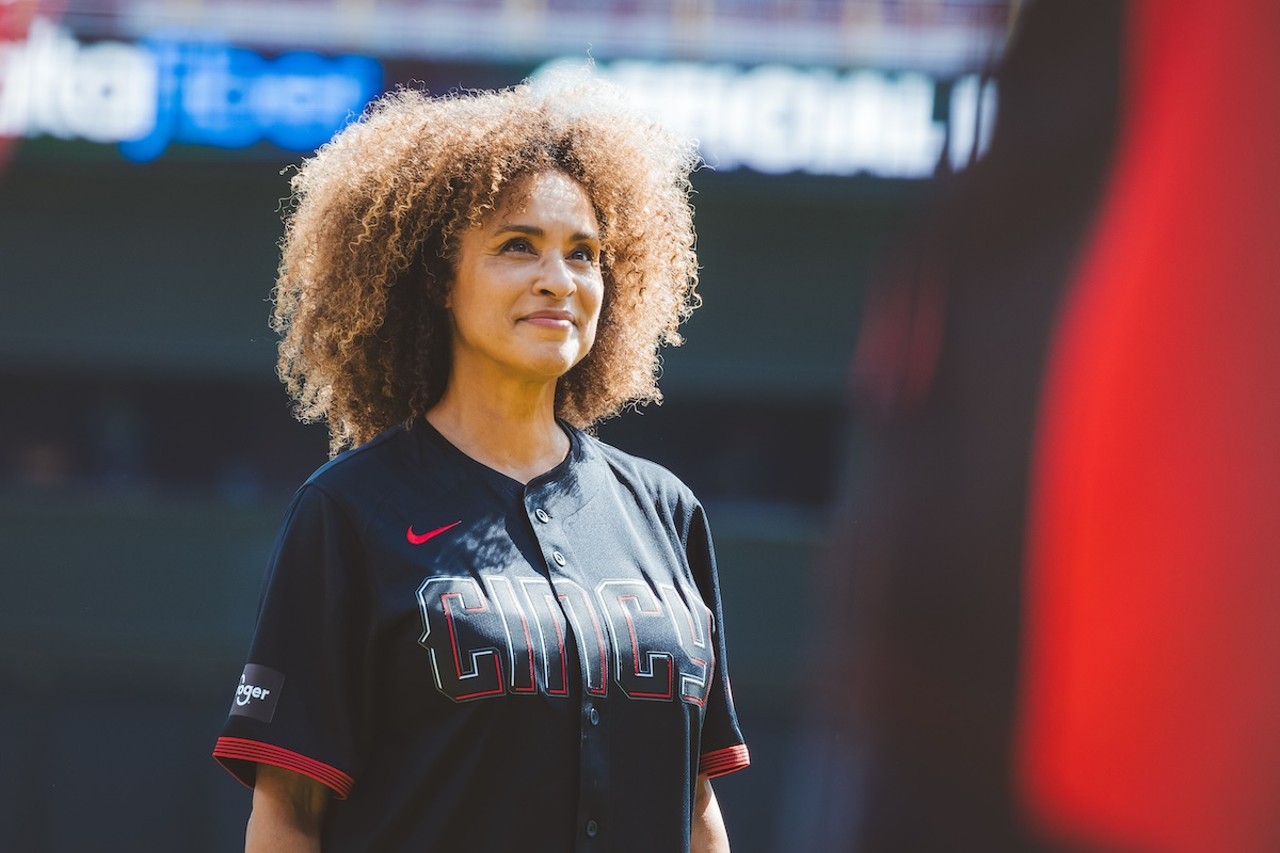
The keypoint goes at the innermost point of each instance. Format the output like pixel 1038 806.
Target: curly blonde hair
pixel 372 233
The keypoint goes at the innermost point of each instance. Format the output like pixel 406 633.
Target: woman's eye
pixel 583 253
pixel 517 244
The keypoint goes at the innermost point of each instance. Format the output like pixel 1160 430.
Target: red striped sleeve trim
pixel 242 749
pixel 721 761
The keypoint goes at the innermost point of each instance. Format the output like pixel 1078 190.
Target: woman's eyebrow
pixel 535 231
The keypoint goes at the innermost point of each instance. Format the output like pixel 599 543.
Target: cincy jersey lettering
pixel 498 635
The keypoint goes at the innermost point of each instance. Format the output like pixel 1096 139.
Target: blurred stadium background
pixel 147 452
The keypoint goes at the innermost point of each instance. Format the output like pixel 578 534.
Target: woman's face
pixel 527 288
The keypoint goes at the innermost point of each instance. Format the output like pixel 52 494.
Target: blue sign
pixel 228 97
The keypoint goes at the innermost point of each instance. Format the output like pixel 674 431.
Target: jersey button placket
pixel 593 793
pixel 593 756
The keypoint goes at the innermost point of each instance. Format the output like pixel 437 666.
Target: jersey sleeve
pixel 723 749
pixel 301 701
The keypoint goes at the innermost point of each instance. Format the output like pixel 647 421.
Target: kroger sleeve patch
pixel 258 693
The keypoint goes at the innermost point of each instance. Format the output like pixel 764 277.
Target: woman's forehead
pixel 549 184
pixel 541 192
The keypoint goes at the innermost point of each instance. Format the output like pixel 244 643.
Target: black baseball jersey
pixel 470 663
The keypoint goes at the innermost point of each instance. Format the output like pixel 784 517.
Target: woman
pixel 482 628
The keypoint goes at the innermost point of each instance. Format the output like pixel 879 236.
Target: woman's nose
pixel 555 278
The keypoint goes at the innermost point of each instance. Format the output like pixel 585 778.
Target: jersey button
pixel 558 557
pixel 593 829
pixel 594 716
pixel 542 515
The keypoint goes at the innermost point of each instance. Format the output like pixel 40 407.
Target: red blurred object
pixel 15 18
pixel 1151 691
pixel 15 21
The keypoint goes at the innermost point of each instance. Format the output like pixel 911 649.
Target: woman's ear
pixel 438 290
pixel 436 271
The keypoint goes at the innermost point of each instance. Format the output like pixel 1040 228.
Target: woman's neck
pixel 515 433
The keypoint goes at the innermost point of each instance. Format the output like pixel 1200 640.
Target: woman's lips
pixel 556 319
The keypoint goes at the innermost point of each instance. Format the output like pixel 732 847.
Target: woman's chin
pixel 552 365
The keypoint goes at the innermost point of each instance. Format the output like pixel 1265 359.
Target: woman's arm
pixel 287 810
pixel 708 834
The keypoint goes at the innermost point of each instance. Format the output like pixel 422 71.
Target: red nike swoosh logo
pixel 419 538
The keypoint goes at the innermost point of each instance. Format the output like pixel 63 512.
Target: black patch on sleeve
pixel 257 693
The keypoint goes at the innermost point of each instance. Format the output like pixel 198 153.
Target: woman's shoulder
pixel 363 467
pixel 640 473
